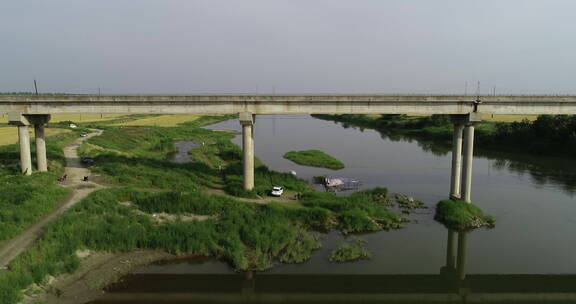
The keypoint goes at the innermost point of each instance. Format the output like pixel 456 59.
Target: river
pixel 532 199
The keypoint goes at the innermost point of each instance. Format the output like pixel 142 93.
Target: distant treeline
pixel 548 134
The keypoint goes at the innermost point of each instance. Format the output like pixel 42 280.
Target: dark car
pixel 87 160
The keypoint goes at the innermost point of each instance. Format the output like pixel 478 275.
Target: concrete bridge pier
pixel 463 144
pixel 23 122
pixel 25 158
pixel 468 160
pixel 39 121
pixel 247 122
pixel 456 176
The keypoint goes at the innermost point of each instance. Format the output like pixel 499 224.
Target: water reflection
pixel 451 285
pixel 182 156
pixel 543 170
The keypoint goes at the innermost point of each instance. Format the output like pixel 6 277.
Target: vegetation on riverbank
pixel 359 212
pixel 25 199
pixel 314 158
pixel 546 135
pixel 460 215
pixel 248 235
pixel 350 251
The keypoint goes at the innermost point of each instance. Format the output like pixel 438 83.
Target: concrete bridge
pixel 26 110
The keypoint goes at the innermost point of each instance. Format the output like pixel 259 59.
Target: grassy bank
pixel 145 187
pixel 314 158
pixel 460 215
pixel 25 199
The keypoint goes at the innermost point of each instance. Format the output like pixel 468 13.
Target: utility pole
pixel 35 86
pixel 478 89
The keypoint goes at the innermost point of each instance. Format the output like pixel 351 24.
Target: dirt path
pixel 286 198
pixel 80 189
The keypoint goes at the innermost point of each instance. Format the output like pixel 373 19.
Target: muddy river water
pixel 532 198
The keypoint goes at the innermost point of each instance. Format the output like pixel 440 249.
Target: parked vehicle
pixel 83 135
pixel 87 160
pixel 277 191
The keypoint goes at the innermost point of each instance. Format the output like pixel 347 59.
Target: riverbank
pixel 96 271
pixel 78 190
pixel 31 197
pixel 247 235
pixel 546 135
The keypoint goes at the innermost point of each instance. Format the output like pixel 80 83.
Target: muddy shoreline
pixel 97 270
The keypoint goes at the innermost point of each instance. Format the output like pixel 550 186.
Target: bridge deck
pixel 287 104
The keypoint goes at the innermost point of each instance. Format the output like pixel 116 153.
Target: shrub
pixel 460 215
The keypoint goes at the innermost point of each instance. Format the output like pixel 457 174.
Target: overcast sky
pixel 294 46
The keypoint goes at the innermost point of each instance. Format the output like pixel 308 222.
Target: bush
pixel 348 252
pixel 460 215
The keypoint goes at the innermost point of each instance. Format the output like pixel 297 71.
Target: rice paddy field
pixel 9 134
pixel 159 121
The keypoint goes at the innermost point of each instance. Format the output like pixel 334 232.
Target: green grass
pixel 460 215
pixel 314 158
pixel 25 199
pixel 264 179
pixel 350 251
pixel 249 236
pixel 359 212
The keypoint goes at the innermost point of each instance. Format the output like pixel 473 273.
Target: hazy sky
pixel 296 46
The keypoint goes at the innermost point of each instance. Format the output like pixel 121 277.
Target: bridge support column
pixel 456 157
pixel 25 158
pixel 247 121
pixel 23 121
pixel 42 161
pixel 23 124
pixel 463 144
pixel 39 121
pixel 468 160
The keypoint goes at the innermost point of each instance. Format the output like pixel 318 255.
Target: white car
pixel 277 191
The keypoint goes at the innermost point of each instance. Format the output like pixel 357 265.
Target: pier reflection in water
pixel 451 285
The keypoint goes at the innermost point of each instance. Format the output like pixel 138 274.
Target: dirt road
pixel 80 189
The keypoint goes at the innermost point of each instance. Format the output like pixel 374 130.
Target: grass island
pixel 314 158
